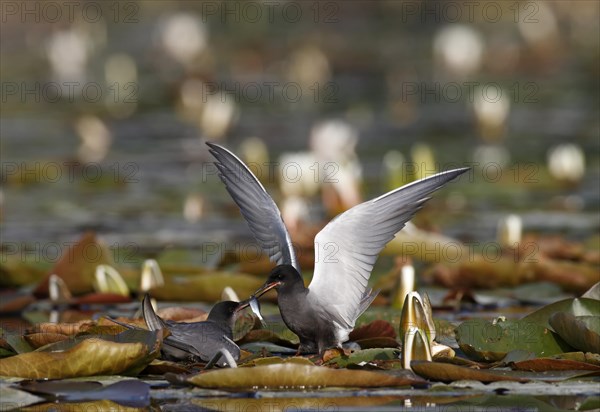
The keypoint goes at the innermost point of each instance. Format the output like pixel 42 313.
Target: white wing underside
pixel 257 207
pixel 347 248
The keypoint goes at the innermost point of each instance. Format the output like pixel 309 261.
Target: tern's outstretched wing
pixel 257 207
pixel 347 248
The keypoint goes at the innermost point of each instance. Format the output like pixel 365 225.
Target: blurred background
pixel 106 107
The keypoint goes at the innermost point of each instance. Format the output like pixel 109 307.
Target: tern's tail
pixel 153 321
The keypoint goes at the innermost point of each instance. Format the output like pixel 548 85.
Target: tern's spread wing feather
pixel 257 207
pixel 347 248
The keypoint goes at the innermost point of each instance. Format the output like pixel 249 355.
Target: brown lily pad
pixel 182 314
pixel 547 364
pixel 69 329
pixel 37 340
pixel 293 375
pixel 447 372
pixel 377 329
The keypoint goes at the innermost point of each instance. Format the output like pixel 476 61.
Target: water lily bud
pixel 510 231
pixel 151 276
pixel 109 280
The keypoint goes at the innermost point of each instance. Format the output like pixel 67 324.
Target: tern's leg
pixel 222 353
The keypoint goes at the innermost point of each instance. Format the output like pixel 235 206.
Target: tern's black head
pixel 224 312
pixel 283 278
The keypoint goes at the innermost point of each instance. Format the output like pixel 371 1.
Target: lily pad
pixel 267 348
pixel 581 332
pixel 376 329
pixel 593 292
pixel 37 340
pixel 539 293
pixel 447 372
pixel 90 357
pixel 127 392
pixel 17 343
pixel 382 342
pixel 365 356
pixel 576 307
pixel 548 364
pixel 293 375
pixel 12 398
pixel 273 360
pixel 291 404
pixel 486 341
pixel 264 335
pixel 103 405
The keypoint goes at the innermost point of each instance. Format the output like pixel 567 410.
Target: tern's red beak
pixel 241 306
pixel 265 288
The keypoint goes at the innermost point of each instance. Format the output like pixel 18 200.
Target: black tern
pixel 324 313
pixel 205 340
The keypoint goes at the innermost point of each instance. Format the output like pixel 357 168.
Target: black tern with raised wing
pixel 324 313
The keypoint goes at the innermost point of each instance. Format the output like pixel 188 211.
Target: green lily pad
pixel 593 292
pixel 273 360
pixel 539 293
pixel 267 347
pixel 365 356
pixel 576 307
pixel 18 343
pixel 486 341
pixel 581 332
pixel 265 335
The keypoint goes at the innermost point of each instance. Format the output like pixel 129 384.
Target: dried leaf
pixel 37 340
pixel 69 329
pixel 182 314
